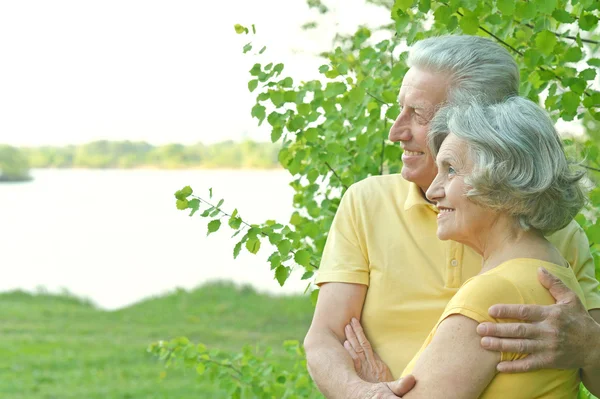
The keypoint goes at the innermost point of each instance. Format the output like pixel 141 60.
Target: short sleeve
pixel 581 260
pixel 477 295
pixel 344 257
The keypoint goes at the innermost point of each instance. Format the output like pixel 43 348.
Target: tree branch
pixel 515 50
pixel 336 175
pixel 377 99
pixel 591 168
pixel 590 41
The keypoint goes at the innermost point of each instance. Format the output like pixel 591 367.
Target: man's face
pixel 420 94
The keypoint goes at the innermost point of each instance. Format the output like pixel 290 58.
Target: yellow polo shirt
pixel 384 236
pixel 514 281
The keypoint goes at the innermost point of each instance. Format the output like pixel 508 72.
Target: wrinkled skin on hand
pixel 555 336
pixel 367 363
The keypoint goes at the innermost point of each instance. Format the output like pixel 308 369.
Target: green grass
pixel 55 346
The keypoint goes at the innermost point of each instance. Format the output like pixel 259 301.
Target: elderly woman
pixel 503 183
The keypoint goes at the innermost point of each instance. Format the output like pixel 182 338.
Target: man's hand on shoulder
pixel 555 336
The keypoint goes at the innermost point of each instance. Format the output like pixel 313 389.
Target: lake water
pixel 115 236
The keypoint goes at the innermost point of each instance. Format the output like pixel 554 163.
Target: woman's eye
pixel 451 170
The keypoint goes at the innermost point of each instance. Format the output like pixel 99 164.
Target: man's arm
pixel 560 336
pixel 329 364
pixel 590 375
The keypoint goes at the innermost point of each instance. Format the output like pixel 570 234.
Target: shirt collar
pixel 415 197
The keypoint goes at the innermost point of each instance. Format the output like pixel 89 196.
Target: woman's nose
pixel 435 191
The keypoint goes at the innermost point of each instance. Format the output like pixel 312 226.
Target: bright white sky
pixel 159 71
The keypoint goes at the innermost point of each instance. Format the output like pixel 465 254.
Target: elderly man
pixel 383 264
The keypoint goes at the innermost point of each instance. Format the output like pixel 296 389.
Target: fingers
pixel 519 312
pixel 353 355
pixel 511 345
pixel 353 341
pixel 530 363
pixel 362 340
pixel 510 330
pixel 560 292
pixel 402 386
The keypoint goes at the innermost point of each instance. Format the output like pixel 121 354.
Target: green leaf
pixel 182 204
pixel 424 6
pixel 402 5
pixel 247 47
pixel 253 29
pixel 262 50
pixel 532 57
pixel 234 221
pixel 296 123
pixel 526 10
pixel 252 84
pixel 239 29
pixel 253 245
pixel 573 54
pixel 442 15
pixel 588 21
pixel 213 226
pixel 307 275
pixel 194 205
pixel 237 249
pixel 570 102
pixel 469 24
pixel 287 82
pixel 274 260
pixel 200 368
pixel 588 74
pixel 334 89
pixel 563 16
pixel 323 68
pixel 594 62
pixel 506 7
pixel 302 258
pixel 545 42
pixel 259 112
pixel 284 247
pixel 278 68
pixel 546 6
pixel 183 193
pixel 281 274
pixel 311 134
pixel 276 134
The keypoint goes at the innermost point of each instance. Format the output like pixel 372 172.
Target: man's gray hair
pixel 475 65
pixel 520 166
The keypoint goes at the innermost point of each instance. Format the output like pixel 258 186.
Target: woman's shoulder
pixel 478 293
pixel 515 282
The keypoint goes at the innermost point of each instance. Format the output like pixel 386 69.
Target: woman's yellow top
pixel 513 282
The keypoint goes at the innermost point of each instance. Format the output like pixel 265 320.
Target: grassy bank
pixel 62 347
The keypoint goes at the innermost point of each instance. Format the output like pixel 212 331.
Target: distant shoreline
pixel 153 167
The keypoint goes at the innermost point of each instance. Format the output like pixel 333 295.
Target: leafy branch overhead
pixel 282 237
pixel 333 131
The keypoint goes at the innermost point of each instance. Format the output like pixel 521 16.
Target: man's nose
pixel 400 130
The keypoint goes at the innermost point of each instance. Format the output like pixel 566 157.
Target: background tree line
pixel 128 154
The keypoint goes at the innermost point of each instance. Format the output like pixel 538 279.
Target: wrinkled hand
pixel 555 337
pixel 388 390
pixel 367 363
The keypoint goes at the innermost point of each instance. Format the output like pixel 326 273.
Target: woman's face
pixel 460 219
